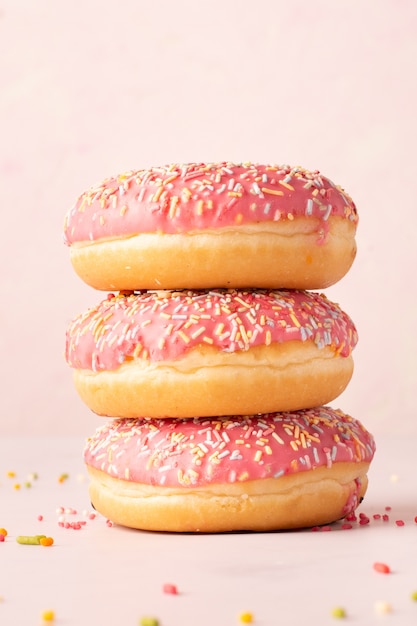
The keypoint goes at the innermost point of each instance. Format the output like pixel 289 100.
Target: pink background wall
pixel 91 88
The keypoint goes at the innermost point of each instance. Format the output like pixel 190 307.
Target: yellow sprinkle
pixel 338 612
pixel 16 486
pixel 246 618
pixel 258 456
pixel 274 192
pixel 183 336
pixel 173 205
pixel 170 179
pixel 268 338
pixel 137 350
pixel 295 320
pixel 200 206
pixel 208 340
pixel 11 474
pixel 157 194
pixel 148 621
pixel 123 210
pixel 219 329
pixel 48 616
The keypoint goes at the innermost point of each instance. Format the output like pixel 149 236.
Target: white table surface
pixel 101 575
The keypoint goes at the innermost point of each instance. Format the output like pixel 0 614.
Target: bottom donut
pixel 275 471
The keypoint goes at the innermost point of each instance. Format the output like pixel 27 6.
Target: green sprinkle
pixel 414 596
pixel 338 612
pixel 30 540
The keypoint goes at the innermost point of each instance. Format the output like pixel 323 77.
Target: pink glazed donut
pixel 224 352
pixel 257 472
pixel 198 226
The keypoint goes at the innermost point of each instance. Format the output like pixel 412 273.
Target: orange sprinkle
pixel 46 541
pixel 274 192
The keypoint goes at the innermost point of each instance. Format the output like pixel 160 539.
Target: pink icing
pixel 203 451
pixel 163 326
pixel 180 198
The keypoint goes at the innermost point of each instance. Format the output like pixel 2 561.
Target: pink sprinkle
pixel 169 588
pixel 92 516
pixel 400 522
pixel 346 526
pixel 388 508
pixel 1 538
pixel 382 568
pixel 364 520
pixel 376 516
pixel 385 518
pixel 40 518
pixel 415 519
pixel 326 528
pixel 315 528
pixel 61 524
pixel 351 517
pixel 109 523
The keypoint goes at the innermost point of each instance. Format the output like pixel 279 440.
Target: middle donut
pixel 224 352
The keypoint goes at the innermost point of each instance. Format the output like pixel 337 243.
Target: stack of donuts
pixel 214 355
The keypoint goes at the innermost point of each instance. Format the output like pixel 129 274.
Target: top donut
pixel 204 225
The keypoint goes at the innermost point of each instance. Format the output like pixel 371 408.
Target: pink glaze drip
pixel 353 499
pixel 181 198
pixel 163 326
pixel 203 451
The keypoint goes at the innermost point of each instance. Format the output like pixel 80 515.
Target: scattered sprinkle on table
pixel 338 612
pixel 246 617
pixel 30 540
pixel 170 589
pixel 148 621
pixel 382 607
pixel 46 541
pixel 382 568
pixel 414 596
pixel 48 615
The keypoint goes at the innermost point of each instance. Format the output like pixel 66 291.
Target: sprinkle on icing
pixel 203 451
pixel 163 325
pixel 179 198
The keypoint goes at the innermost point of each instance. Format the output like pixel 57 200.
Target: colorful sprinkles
pixel 181 197
pixel 189 452
pixel 163 325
